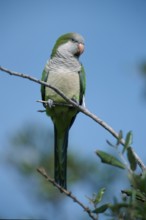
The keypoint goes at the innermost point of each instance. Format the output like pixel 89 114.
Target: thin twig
pixel 41 111
pixel 66 192
pixel 79 107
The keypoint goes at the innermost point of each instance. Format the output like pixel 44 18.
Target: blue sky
pixel 114 33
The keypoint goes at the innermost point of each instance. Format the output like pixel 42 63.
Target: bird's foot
pixel 50 103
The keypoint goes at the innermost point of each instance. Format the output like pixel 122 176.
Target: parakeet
pixel 63 71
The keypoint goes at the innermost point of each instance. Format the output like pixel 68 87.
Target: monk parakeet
pixel 63 71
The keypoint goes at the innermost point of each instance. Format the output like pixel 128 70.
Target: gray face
pixel 74 44
pixel 76 48
pixel 77 38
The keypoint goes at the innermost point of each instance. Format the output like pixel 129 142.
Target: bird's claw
pixel 50 103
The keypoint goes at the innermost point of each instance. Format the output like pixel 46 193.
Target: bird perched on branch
pixel 63 71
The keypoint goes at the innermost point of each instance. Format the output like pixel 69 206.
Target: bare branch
pixel 66 192
pixel 37 81
pixel 79 107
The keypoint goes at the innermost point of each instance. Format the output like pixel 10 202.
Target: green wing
pixel 44 78
pixel 82 90
pixel 82 84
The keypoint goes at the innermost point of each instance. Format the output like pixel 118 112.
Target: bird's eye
pixel 73 40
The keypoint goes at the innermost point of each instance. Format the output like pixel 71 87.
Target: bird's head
pixel 72 43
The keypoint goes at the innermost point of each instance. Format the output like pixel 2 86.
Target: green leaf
pixel 102 208
pixel 128 141
pixel 119 137
pixel 131 158
pixel 99 196
pixel 135 194
pixel 110 144
pixel 118 206
pixel 109 159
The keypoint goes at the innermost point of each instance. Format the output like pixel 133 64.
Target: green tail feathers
pixel 60 162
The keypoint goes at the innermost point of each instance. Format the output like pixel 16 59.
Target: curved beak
pixel 81 48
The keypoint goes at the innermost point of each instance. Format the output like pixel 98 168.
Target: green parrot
pixel 63 71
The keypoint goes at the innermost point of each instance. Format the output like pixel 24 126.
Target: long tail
pixel 61 143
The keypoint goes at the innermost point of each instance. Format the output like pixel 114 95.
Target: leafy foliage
pixel 133 204
pixel 32 147
pixel 109 159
